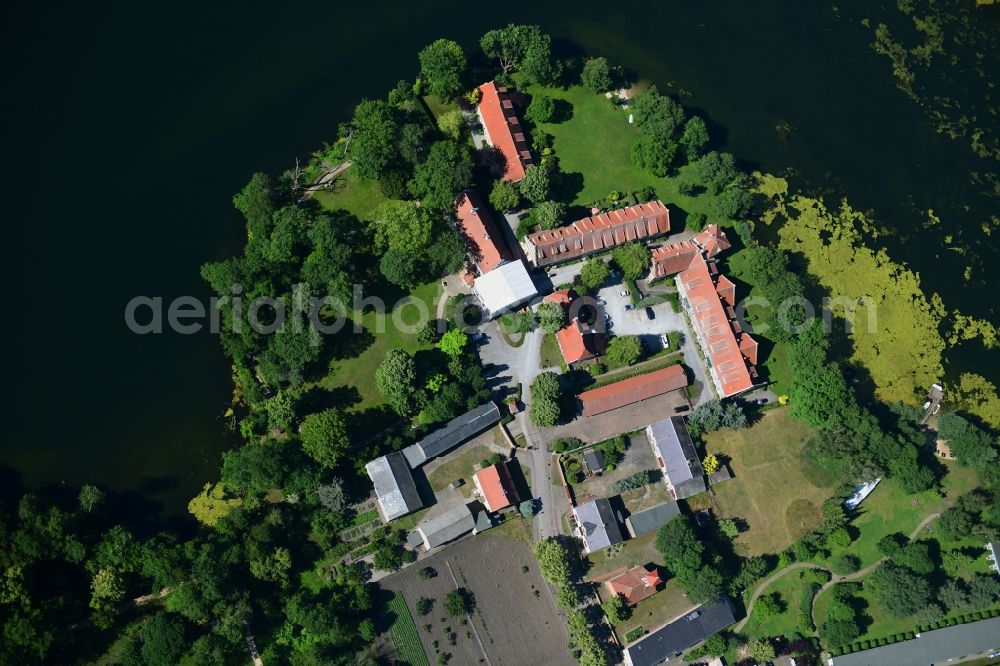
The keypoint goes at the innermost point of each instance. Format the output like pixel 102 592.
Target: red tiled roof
pixel 713 240
pixel 597 233
pixel 479 232
pixel 635 584
pixel 675 257
pixel 563 297
pixel 577 342
pixel 497 488
pixel 625 392
pixel 672 258
pixel 503 130
pixel 710 302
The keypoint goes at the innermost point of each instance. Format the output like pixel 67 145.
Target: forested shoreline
pixel 270 526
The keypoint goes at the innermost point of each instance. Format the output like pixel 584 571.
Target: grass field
pixel 878 624
pixel 358 371
pixel 348 192
pixel 630 553
pixel 889 509
pixel 790 589
pixel 550 354
pixel 650 613
pixel 460 464
pixel 776 490
pixel 404 633
pixel 598 133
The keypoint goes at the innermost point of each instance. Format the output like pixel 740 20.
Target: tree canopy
pixel 442 65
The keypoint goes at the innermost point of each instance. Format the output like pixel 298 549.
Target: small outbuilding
pixel 594 459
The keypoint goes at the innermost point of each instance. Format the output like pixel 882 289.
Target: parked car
pixel 607 317
pixel 681 409
pixel 623 293
pixel 665 341
pixel 601 301
pixel 479 337
pixel 761 401
pixel 649 313
pixel 629 306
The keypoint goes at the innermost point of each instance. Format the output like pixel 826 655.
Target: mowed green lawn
pixel 776 490
pixel 889 509
pixel 397 329
pixel 348 192
pixel 790 588
pixel 594 147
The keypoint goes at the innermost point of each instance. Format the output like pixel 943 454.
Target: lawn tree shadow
pixel 492 162
pixel 567 186
pixel 316 399
pixel 563 111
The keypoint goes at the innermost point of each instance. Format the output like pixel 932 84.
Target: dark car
pixel 649 313
pixel 681 409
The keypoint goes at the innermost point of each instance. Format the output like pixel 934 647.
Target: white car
pixel 665 341
pixel 624 293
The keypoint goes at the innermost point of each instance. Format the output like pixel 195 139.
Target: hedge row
pixel 622 376
pixel 905 636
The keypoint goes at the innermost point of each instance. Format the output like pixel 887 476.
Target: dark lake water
pixel 131 127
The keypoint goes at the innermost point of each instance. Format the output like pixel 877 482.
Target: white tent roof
pixel 505 287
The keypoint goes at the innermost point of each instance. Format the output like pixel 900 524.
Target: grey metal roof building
pixel 594 459
pixel 598 525
pixel 677 457
pixel 672 639
pixel 931 647
pixel 397 493
pixel 651 519
pixel 455 432
pixel 447 526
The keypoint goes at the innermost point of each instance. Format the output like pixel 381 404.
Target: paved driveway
pixel 635 322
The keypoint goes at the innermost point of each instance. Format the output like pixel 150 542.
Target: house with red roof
pixel 503 130
pixel 597 233
pixel 495 487
pixel 577 341
pixel 642 387
pixel 487 249
pixel 635 584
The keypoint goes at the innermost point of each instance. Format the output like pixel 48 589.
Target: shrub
pixel 541 109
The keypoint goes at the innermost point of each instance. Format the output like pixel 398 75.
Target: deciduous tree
pixel 395 378
pixel 324 437
pixel 442 64
pixel 596 75
pixel 536 184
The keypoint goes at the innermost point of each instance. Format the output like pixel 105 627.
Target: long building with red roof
pixel 503 130
pixel 709 297
pixel 597 233
pixel 634 389
pixel 481 235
